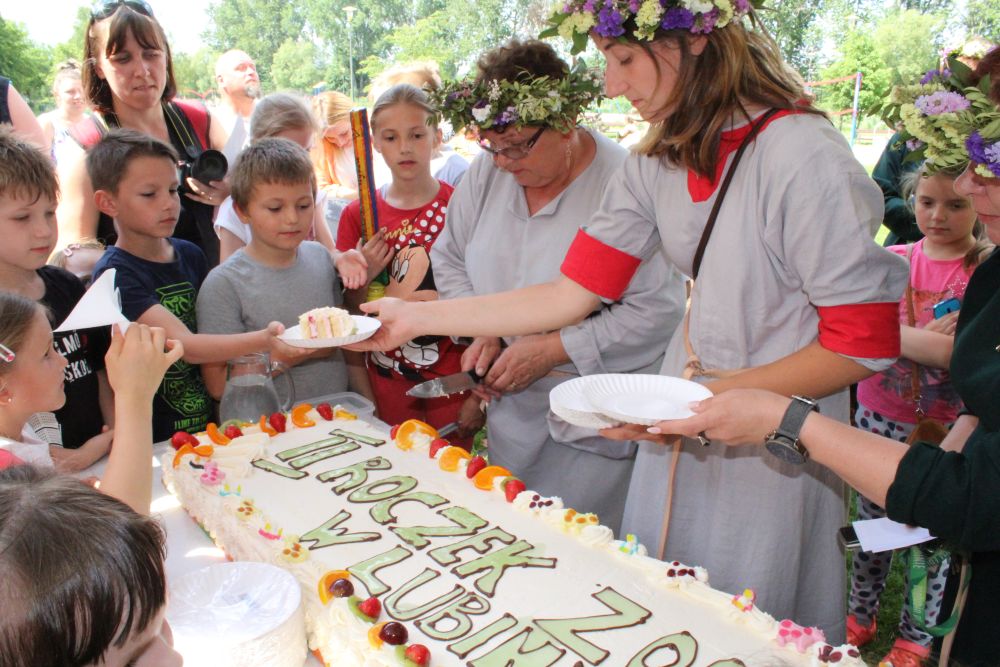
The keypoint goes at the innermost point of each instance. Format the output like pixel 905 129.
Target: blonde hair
pixel 59 255
pixel 404 93
pixel 16 315
pixel 68 69
pixel 908 188
pixel 278 112
pixel 331 107
pixel 737 67
pixel 423 74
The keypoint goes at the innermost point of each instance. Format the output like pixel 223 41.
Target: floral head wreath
pixel 641 19
pixel 526 100
pixel 947 121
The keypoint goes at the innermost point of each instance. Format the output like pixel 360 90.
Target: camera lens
pixel 210 166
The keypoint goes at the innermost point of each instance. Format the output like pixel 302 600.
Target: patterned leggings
pixel 869 570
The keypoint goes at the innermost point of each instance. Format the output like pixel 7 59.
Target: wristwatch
pixel 784 441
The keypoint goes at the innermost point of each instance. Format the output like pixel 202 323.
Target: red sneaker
pixel 858 634
pixel 904 654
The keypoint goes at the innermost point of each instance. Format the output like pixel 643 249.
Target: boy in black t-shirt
pixel 28 194
pixel 158 277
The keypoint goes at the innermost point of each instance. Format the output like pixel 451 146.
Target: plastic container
pixel 348 400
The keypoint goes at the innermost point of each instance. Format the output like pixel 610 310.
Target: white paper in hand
pixel 885 534
pixel 98 307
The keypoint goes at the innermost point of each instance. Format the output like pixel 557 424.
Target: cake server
pixel 447 385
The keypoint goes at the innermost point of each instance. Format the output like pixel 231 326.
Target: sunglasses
pixel 515 152
pixel 105 8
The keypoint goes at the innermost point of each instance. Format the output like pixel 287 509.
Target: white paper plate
pixel 642 399
pixel 366 326
pixel 238 613
pixel 568 403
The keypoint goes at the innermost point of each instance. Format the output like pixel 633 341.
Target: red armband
pixel 599 268
pixel 864 330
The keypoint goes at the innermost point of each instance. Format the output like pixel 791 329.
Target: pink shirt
pixel 890 393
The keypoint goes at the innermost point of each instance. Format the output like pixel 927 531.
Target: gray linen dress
pixel 794 233
pixel 491 244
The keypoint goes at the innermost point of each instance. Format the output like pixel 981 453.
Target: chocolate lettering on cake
pixel 729 662
pixel 453 622
pixel 330 533
pixel 396 485
pixel 382 512
pixel 681 644
pixel 464 523
pixel 494 564
pixel 271 467
pixel 356 474
pixel 366 570
pixel 567 630
pixel 322 455
pixel 529 648
pixel 479 639
pixel 373 442
pixel 296 452
pixel 402 609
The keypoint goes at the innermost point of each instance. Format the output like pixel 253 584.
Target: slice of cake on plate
pixel 326 322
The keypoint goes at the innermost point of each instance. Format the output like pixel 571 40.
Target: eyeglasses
pixel 515 152
pixel 105 8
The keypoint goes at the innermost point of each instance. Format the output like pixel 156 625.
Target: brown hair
pixel 25 171
pixel 81 570
pixel 270 160
pixel 990 66
pixel 737 67
pixel 16 315
pixel 109 158
pixel 404 93
pixel 278 112
pixel 908 188
pixel 68 69
pixel 331 107
pixel 124 22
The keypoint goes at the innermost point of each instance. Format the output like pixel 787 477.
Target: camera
pixel 209 165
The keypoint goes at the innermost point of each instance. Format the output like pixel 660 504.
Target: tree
pixel 195 73
pixel 909 42
pixel 298 65
pixel 25 64
pixel 74 46
pixel 858 54
pixel 793 24
pixel 983 19
pixel 258 27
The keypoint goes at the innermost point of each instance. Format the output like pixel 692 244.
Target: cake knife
pixel 447 385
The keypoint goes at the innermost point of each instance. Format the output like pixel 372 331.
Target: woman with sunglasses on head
pixel 129 81
pixel 509 225
pixel 790 293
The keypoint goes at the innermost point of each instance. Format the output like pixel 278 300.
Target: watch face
pixel 785 451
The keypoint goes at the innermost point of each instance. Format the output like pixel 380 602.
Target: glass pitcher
pixel 250 390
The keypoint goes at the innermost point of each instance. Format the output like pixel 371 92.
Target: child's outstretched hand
pixel 137 360
pixel 353 268
pixel 944 325
pixel 377 253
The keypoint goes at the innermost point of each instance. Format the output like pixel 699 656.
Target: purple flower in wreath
pixel 677 18
pixel 929 76
pixel 588 7
pixel 506 117
pixel 704 23
pixel 634 5
pixel 609 23
pixel 914 144
pixel 741 6
pixel 986 154
pixel 941 102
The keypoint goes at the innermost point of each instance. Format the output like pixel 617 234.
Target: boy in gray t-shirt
pixel 278 275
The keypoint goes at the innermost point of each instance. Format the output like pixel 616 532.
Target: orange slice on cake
pixel 411 427
pixel 215 435
pixel 484 478
pixel 326 583
pixel 450 457
pixel 266 427
pixel 300 416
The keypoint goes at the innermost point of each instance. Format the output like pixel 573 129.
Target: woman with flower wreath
pixel 791 293
pixel 509 225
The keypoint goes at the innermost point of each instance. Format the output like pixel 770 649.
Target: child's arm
pixel 136 363
pixel 87 454
pixel 202 348
pixel 926 347
pixel 352 268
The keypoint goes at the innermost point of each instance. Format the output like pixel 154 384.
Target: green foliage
pixel 298 65
pixel 258 27
pixel 74 46
pixel 195 73
pixel 983 19
pixel 794 24
pixel 27 65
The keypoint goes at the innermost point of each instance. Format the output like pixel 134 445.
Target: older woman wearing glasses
pixel 509 225
pixel 129 81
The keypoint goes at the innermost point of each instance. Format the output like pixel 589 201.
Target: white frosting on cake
pixel 529 571
pixel 326 322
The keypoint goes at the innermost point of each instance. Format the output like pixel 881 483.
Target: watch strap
pixel 795 416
